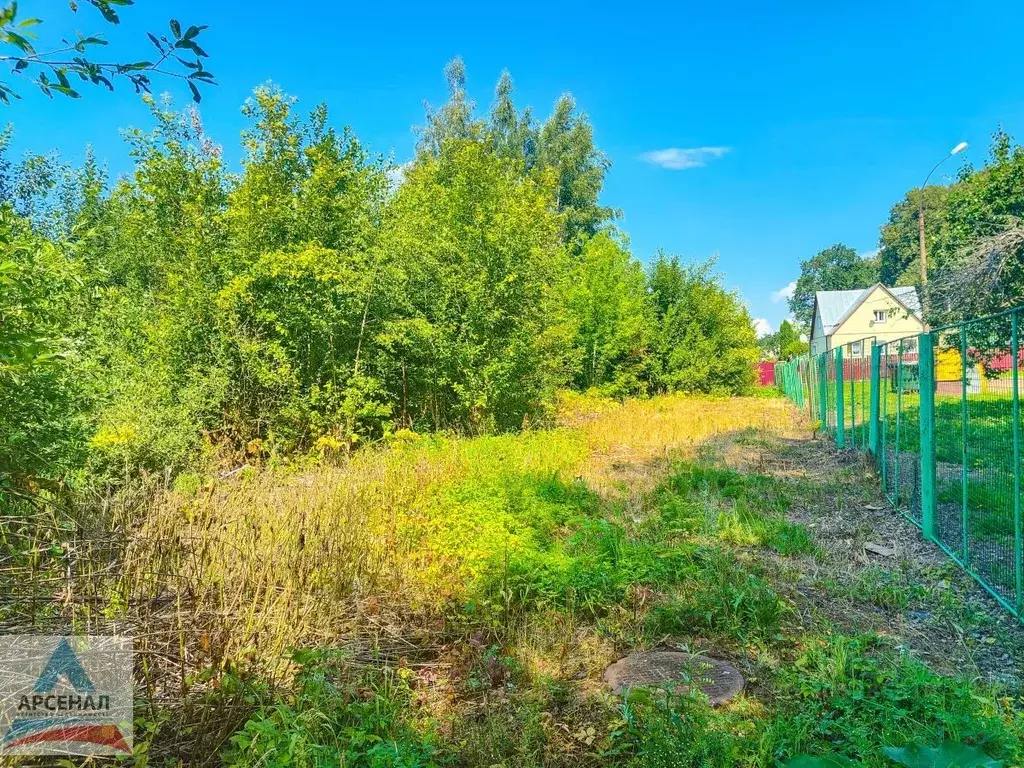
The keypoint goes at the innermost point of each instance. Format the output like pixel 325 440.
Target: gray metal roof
pixel 908 295
pixel 833 306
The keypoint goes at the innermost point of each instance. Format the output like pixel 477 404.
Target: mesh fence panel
pixel 973 430
pixel 889 428
pixel 900 427
pixel 817 370
pixel 908 394
pixel 813 387
pixel 857 392
pixel 828 421
pixel 987 463
pixel 810 371
pixel 950 441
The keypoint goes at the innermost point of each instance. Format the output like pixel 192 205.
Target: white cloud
pixel 762 327
pixel 676 159
pixel 784 293
pixel 868 254
pixel 396 176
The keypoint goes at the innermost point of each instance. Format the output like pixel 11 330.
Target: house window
pixel 881 315
pixel 856 348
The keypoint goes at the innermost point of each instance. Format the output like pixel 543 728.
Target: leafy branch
pixel 178 56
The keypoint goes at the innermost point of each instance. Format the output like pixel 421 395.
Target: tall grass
pixel 287 557
pixel 220 576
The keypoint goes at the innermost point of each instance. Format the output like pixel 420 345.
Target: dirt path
pixel 874 572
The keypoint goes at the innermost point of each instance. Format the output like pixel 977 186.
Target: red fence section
pixel 766 373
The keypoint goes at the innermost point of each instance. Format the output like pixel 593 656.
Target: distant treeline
pixel 323 297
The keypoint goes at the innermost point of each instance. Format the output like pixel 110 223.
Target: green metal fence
pixel 939 414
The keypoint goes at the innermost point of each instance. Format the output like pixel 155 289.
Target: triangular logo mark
pixel 64 662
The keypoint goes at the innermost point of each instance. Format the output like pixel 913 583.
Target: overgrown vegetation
pixel 572 582
pixel 321 298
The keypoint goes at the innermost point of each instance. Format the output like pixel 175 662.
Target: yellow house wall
pixel 949 371
pixel 861 324
pixel 948 365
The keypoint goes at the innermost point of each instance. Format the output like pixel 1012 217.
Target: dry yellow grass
pixel 630 445
pixel 273 559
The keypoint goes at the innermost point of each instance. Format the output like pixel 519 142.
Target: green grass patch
pixel 846 696
pixel 888 589
pixel 332 717
pixel 683 549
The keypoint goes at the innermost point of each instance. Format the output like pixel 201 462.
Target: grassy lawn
pixel 989 419
pixel 451 601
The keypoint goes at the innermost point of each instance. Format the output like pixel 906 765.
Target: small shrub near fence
pixel 939 414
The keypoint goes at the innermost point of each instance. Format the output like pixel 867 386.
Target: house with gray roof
pixel 857 317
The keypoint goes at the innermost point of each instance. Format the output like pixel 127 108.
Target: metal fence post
pixel 966 551
pixel 874 393
pixel 1018 545
pixel 840 409
pixel 883 418
pixel 799 383
pixel 926 415
pixel 823 390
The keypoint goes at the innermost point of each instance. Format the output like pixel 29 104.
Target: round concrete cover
pixel 719 681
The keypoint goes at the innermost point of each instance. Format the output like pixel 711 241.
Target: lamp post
pixel 920 229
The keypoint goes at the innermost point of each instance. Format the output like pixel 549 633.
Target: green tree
pixel 484 340
pixel 155 357
pixel 977 267
pixel 836 268
pixel 704 337
pixel 304 220
pixel 790 344
pixel 511 135
pixel 303 182
pixel 899 247
pixel 607 299
pixel 784 344
pixel 295 325
pixel 565 145
pixel 41 432
pixel 453 120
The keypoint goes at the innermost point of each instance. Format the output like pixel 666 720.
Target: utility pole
pixel 920 240
pixel 920 231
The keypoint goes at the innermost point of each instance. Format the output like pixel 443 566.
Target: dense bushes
pixel 320 298
pixel 704 340
pixel 39 408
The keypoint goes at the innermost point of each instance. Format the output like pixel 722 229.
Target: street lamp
pixel 920 226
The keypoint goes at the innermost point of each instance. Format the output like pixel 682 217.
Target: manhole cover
pixel 719 681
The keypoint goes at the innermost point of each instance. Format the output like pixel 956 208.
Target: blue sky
pixel 813 117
